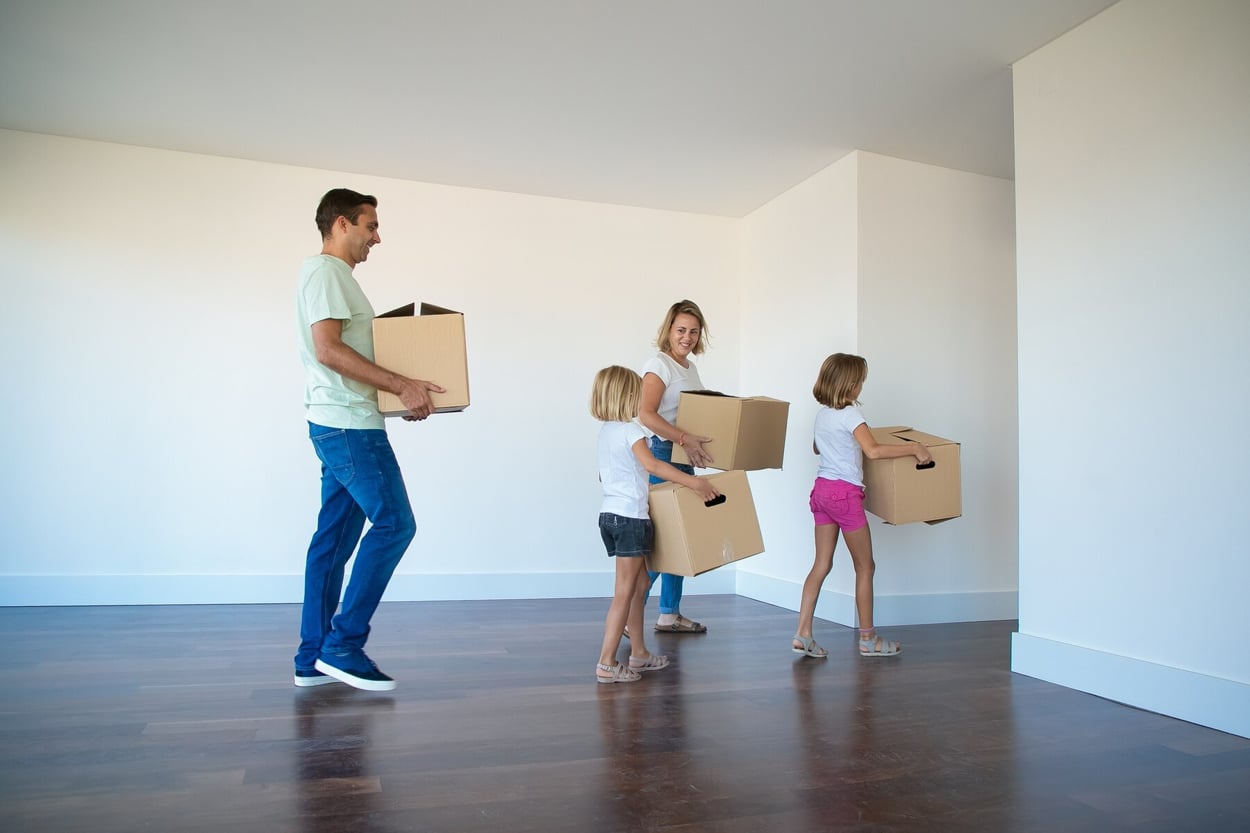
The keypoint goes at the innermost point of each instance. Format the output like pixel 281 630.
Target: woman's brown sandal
pixel 682 625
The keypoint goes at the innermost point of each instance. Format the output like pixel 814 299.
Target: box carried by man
pixel 902 491
pixel 748 432
pixel 429 346
pixel 692 537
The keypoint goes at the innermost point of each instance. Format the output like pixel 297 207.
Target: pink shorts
pixel 838 502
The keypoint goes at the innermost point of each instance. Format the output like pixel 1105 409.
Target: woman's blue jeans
pixel 360 479
pixel 670 585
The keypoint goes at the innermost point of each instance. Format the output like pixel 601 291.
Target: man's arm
pixel 328 344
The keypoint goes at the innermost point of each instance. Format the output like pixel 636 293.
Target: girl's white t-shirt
pixel 840 455
pixel 625 487
pixel 676 379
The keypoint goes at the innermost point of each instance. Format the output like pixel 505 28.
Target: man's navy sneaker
pixel 306 677
pixel 357 670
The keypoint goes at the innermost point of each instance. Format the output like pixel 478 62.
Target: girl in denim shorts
pixel 624 520
pixel 843 439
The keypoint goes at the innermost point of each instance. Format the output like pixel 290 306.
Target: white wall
pixel 911 266
pixel 157 450
pixel 799 298
pixel 937 323
pixel 1133 211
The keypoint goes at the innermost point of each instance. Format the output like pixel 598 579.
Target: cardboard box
pixel 428 346
pixel 900 491
pixel 748 433
pixel 692 537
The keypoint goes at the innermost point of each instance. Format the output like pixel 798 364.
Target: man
pixel 360 476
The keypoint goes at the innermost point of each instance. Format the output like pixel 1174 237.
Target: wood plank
pixel 185 719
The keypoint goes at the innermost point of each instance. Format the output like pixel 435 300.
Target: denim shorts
pixel 626 537
pixel 838 502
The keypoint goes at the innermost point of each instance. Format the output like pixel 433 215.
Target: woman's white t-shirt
pixel 676 379
pixel 625 487
pixel 840 455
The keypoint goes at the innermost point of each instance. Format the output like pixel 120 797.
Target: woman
pixel 682 335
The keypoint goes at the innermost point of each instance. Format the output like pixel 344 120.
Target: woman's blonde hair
pixel 682 307
pixel 615 394
pixel 839 376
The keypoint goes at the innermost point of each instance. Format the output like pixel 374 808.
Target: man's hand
pixel 415 396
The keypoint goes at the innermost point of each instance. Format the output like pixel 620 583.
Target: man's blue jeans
pixel 360 479
pixel 670 585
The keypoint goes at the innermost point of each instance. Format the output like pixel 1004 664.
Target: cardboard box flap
pixel 409 310
pixel 731 396
pixel 406 311
pixel 899 434
pixel 889 434
pixel 432 309
pixel 930 440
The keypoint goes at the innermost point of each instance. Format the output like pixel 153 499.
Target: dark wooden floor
pixel 185 719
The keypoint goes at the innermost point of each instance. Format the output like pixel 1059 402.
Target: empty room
pixel 1030 218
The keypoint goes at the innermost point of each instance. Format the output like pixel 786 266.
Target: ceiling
pixel 709 106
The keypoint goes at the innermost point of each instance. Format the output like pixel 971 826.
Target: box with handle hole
pixel 692 537
pixel 901 490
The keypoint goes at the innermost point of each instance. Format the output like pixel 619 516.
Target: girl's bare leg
pixel 859 543
pixel 623 601
pixel 638 645
pixel 826 541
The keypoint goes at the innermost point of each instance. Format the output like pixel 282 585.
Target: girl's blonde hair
pixel 839 376
pixel 615 394
pixel 687 308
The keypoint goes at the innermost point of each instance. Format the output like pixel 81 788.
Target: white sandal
pixel 875 646
pixel 810 648
pixel 618 674
pixel 652 662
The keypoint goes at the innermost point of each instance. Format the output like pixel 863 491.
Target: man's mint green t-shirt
pixel 328 290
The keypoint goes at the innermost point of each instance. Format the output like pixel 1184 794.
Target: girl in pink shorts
pixel 842 439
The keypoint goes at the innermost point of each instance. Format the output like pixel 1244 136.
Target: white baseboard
pixel 910 609
pixel 53 591
pixel 1197 698
pixel 471 587
pixel 56 591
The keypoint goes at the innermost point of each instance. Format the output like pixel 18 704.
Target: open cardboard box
pixel 428 346
pixel 901 491
pixel 748 432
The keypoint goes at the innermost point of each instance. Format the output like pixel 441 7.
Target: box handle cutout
pixel 716 501
pixel 928 465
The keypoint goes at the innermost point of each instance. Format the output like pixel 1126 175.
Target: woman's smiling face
pixel 683 336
